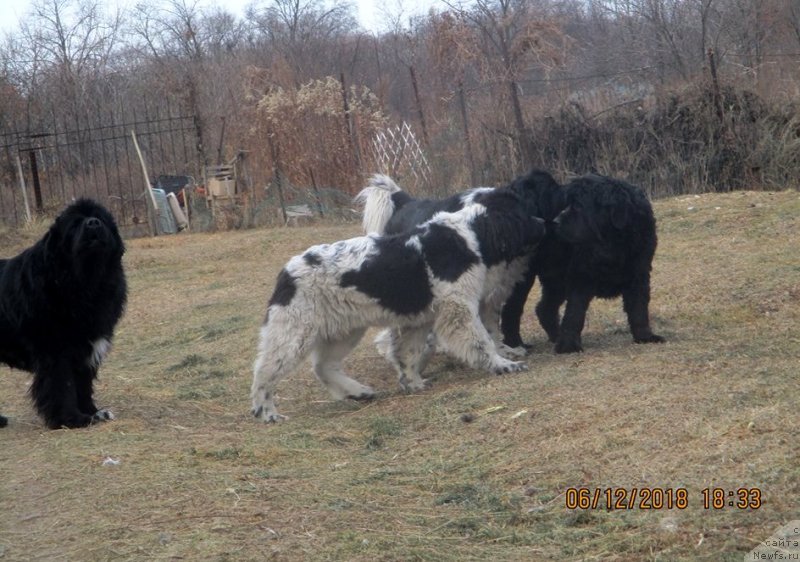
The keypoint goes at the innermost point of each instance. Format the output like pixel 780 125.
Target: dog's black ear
pixel 535 230
pixel 504 228
pixel 119 250
pixel 503 235
pixel 51 241
pixel 616 201
pixel 619 216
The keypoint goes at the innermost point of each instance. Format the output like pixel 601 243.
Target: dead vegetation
pixel 476 468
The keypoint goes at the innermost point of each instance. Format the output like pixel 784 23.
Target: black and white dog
pixel 390 210
pixel 427 279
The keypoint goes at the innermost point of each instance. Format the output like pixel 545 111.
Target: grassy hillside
pixel 476 468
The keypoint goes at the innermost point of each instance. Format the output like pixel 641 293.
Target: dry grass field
pixel 475 468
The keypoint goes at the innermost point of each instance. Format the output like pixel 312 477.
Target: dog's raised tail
pixel 378 203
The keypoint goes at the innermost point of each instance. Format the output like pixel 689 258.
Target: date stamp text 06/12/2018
pixel 662 498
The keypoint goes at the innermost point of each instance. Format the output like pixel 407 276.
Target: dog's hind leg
pixel 491 309
pixel 461 332
pixel 511 315
pixel 283 344
pixel 635 301
pixel 327 359
pixel 499 288
pixel 569 338
pixel 408 350
pixel 553 296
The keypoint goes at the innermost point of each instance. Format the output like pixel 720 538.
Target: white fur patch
pixel 103 415
pixel 377 199
pixel 100 349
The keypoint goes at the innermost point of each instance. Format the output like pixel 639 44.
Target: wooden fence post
pixel 23 189
pixel 151 204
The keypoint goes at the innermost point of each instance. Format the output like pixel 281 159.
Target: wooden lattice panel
pixel 398 153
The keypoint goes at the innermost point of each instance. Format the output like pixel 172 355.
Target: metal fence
pixel 93 156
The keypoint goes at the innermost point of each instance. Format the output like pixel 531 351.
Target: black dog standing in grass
pixel 59 303
pixel 610 234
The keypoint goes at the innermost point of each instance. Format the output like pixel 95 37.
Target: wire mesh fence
pixel 45 165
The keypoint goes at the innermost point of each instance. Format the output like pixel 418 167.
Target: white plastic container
pixel 180 218
pixel 164 218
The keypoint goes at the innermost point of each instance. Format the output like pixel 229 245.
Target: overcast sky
pixel 370 12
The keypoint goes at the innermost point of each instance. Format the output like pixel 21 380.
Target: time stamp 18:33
pixel 661 498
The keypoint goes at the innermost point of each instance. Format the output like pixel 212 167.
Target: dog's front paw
pixel 71 421
pixel 267 416
pixel 509 367
pixel 568 345
pixel 363 396
pixel 102 415
pixel 511 352
pixel 649 338
pixel 417 385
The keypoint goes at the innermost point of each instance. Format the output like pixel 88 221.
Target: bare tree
pixel 509 37
pixel 74 35
pixel 175 37
pixel 303 31
pixel 749 28
pixel 662 29
pixel 65 43
pixel 61 55
pixel 705 9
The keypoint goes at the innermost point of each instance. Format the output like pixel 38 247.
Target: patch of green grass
pixel 299 440
pixel 474 495
pixel 188 362
pixel 195 392
pixel 226 453
pixel 381 428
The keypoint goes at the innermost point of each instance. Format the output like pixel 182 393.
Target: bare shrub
pixel 309 124
pixel 679 143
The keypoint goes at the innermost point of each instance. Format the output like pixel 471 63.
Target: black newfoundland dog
pixel 610 234
pixel 59 302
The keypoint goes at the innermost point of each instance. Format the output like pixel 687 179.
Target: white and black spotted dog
pixel 390 210
pixel 429 279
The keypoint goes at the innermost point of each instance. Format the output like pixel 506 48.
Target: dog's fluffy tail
pixel 378 204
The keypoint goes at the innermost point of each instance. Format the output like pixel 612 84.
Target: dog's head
pixel 84 236
pixel 506 230
pixel 597 207
pixel 540 193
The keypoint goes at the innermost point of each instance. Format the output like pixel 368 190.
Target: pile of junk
pixel 170 202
